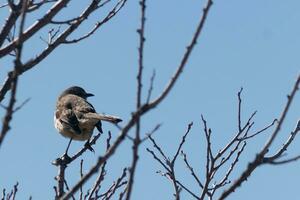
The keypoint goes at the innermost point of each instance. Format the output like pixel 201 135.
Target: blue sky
pixel 250 44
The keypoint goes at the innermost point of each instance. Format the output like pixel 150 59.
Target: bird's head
pixel 78 91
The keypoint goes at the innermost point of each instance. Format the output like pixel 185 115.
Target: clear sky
pixel 254 44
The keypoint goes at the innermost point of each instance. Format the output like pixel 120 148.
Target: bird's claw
pixel 64 160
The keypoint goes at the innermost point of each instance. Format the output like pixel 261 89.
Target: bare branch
pixel 239 109
pixel 81 175
pixel 61 39
pixel 79 153
pixel 9 23
pixel 279 153
pixel 186 189
pixel 158 159
pixel 260 131
pixel 14 191
pixel 118 184
pixel 170 165
pixel 182 142
pixel 225 178
pixel 102 173
pixel 185 58
pixel 62 165
pixel 159 149
pixel 281 162
pixel 109 16
pixel 67 188
pixel 151 86
pixel 146 107
pixel 22 104
pixel 35 27
pixel 151 132
pixel 137 139
pixel 14 75
pixel 260 156
pixel 191 170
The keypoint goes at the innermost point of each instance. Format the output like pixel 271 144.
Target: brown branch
pixel 146 107
pixel 21 105
pixel 188 190
pixel 85 148
pixel 260 156
pixel 14 191
pixel 260 131
pixel 225 178
pixel 181 143
pixel 118 184
pixel 58 162
pixel 12 194
pixel 159 149
pixel 109 16
pixel 35 27
pixel 185 58
pixel 102 173
pixel 14 75
pixel 239 110
pixel 62 165
pixel 151 132
pixel 272 159
pixel 67 188
pixel 191 170
pixel 241 128
pixel 61 39
pixel 81 175
pixel 98 181
pixel 246 127
pixel 10 107
pixel 10 22
pixel 151 86
pixel 281 162
pixel 122 194
pixel 137 139
pixel 35 6
pixel 60 178
pixel 175 184
pixel 4 5
pixel 170 165
pixel 209 156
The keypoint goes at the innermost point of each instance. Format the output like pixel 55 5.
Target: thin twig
pixel 191 170
pixel 81 175
pixel 146 107
pixel 61 39
pixel 260 131
pixel 137 139
pixel 109 16
pixel 102 173
pixel 14 75
pixel 279 153
pixel 151 86
pixel 260 156
pixel 240 109
pixel 182 142
pixel 151 133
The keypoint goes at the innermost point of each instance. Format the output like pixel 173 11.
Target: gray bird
pixel 76 118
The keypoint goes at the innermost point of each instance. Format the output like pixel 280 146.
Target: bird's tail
pixel 108 118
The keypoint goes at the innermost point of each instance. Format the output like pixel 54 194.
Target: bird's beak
pixel 89 95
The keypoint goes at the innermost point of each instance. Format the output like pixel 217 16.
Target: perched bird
pixel 76 118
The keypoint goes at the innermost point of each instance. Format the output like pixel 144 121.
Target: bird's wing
pixel 89 108
pixel 69 120
pixel 82 107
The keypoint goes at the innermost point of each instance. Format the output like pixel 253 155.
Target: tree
pixel 14 35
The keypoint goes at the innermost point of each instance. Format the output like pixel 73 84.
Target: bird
pixel 76 118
